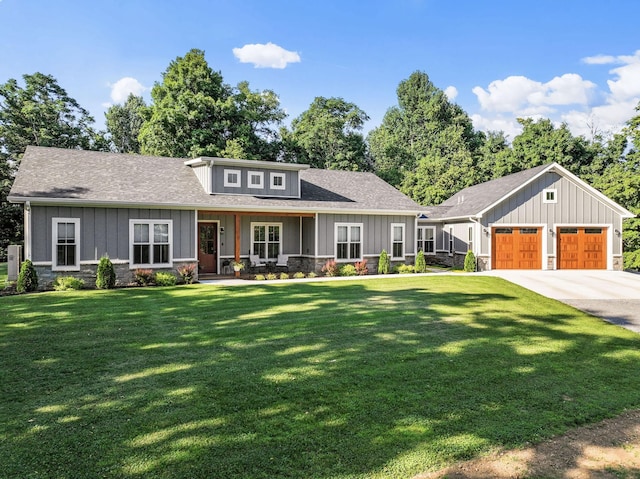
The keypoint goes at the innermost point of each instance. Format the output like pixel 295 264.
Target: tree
pixel 328 135
pixel 194 113
pixel 124 123
pixel 42 114
pixel 413 130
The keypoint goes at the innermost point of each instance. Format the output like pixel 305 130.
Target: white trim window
pixel 426 239
pixel 397 240
pixel 470 239
pixel 266 240
pixel 66 244
pixel 348 245
pixel 232 178
pixel 151 244
pixel 277 181
pixel 255 179
pixel 550 195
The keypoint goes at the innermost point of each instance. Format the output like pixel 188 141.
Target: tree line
pixel 425 146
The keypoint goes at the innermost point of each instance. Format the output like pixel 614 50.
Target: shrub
pixel 260 277
pixel 361 267
pixel 27 278
pixel 105 275
pixel 331 268
pixel 421 264
pixel 404 269
pixel 284 275
pixel 312 275
pixel 470 262
pixel 271 276
pixel 65 283
pixel 187 273
pixel 164 278
pixel 348 270
pixel 298 275
pixel 384 263
pixel 143 277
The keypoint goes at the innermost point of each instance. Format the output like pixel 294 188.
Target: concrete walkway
pixel 611 295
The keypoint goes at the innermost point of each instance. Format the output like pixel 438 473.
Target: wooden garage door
pixel 582 248
pixel 517 248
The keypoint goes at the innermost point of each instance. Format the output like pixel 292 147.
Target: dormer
pixel 225 176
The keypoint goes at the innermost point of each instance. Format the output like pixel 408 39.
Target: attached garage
pixel 582 248
pixel 517 248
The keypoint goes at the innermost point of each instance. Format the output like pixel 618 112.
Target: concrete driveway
pixel 611 295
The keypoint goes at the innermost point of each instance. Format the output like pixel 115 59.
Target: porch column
pixel 237 242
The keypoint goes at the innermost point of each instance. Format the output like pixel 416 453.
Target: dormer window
pixel 549 196
pixel 232 178
pixel 277 181
pixel 255 179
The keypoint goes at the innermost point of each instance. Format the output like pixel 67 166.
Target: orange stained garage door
pixel 582 248
pixel 517 248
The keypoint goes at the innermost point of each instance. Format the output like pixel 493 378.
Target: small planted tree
pixel 470 262
pixel 105 275
pixel 27 279
pixel 384 264
pixel 421 264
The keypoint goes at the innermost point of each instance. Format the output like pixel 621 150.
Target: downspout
pixel 27 231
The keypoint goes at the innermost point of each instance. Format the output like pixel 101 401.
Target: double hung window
pixel 151 242
pixel 66 238
pixel 348 242
pixel 397 240
pixel 266 240
pixel 427 239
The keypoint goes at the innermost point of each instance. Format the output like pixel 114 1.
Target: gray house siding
pixel 291 186
pixel 203 173
pixel 308 236
pixel 376 232
pixel 106 231
pixel 574 206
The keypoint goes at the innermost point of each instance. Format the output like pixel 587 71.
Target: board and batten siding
pixel 106 230
pixel 203 173
pixel 291 186
pixel 376 232
pixel 574 206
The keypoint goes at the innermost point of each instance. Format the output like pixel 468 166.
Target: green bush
pixel 164 278
pixel 105 275
pixel 298 275
pixel 384 263
pixel 632 259
pixel 421 264
pixel 260 277
pixel 27 279
pixel 404 269
pixel 143 277
pixel 470 262
pixel 187 273
pixel 65 283
pixel 361 267
pixel 312 275
pixel 284 275
pixel 272 276
pixel 348 270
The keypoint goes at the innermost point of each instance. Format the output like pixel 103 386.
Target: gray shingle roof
pixel 474 199
pixel 89 177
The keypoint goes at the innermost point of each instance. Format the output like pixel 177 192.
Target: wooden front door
pixel 517 248
pixel 208 247
pixel 582 248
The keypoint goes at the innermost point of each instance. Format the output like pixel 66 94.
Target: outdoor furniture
pixel 226 267
pixel 255 262
pixel 283 262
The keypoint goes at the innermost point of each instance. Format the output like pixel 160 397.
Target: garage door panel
pixel 517 248
pixel 582 248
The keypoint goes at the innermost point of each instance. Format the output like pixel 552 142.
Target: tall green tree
pixel 413 130
pixel 328 135
pixel 124 123
pixel 39 113
pixel 194 113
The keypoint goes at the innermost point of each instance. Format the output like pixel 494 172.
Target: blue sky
pixel 568 60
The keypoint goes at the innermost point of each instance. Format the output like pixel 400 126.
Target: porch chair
pixel 255 262
pixel 283 262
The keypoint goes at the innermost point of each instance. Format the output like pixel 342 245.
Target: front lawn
pixel 382 378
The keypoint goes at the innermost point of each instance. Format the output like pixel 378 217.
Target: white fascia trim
pixel 270 165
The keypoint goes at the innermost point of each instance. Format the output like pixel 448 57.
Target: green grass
pixel 382 378
pixel 3 274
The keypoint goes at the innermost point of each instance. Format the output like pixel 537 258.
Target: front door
pixel 207 247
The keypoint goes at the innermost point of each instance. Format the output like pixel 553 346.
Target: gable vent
pixel 460 199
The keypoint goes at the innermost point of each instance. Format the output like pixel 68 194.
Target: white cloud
pixel 266 56
pixel 627 83
pixel 120 90
pixel 451 92
pixel 599 60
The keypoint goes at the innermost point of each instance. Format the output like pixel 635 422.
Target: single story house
pixel 161 213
